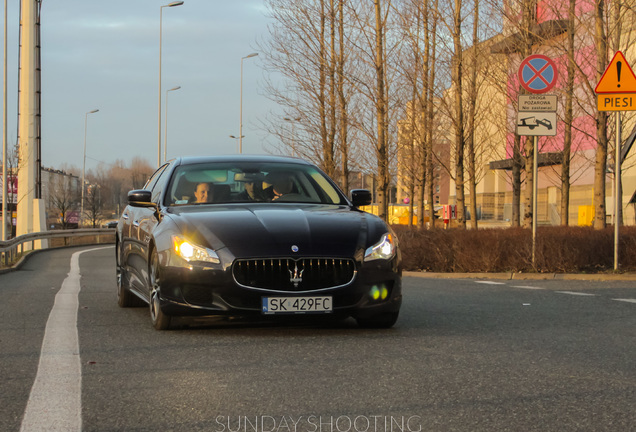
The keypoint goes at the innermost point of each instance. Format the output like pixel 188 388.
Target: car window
pixel 250 182
pixel 154 177
pixel 159 184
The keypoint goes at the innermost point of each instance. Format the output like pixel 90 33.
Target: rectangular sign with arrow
pixel 536 123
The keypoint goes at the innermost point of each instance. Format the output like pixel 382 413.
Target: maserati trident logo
pixel 296 276
pixel 294 248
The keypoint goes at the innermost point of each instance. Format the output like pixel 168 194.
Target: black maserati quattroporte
pixel 264 236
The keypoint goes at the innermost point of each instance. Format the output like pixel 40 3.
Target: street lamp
pixel 165 138
pixel 84 166
pixel 5 176
pixel 293 121
pixel 240 137
pixel 173 4
pixel 236 138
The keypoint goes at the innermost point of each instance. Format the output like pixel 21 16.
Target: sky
pixel 105 55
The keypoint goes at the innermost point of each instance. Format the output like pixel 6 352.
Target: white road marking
pixel 626 300
pixel 490 282
pixel 576 293
pixel 55 402
pixel 527 287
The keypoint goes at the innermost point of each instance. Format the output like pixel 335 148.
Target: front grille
pixel 286 274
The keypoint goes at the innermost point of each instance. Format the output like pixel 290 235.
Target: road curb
pixel 525 276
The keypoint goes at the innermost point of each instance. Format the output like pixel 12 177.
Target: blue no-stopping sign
pixel 538 73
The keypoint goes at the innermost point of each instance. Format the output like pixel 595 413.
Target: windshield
pixel 215 183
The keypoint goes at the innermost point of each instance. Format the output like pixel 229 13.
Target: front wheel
pixel 386 320
pixel 160 320
pixel 125 298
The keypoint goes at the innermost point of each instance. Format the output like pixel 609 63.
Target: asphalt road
pixel 465 355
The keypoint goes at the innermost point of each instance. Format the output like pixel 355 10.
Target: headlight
pixel 193 253
pixel 384 249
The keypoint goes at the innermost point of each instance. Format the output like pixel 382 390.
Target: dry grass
pixel 558 250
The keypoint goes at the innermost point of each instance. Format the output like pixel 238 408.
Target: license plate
pixel 297 305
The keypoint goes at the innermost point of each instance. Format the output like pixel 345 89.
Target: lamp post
pixel 81 216
pixel 240 137
pixel 5 176
pixel 236 138
pixel 293 121
pixel 173 4
pixel 165 137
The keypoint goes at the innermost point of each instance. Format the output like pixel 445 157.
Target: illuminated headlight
pixel 384 249
pixel 193 253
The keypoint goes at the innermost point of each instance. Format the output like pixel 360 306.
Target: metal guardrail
pixel 12 248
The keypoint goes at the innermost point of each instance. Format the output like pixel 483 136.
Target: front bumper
pixel 196 291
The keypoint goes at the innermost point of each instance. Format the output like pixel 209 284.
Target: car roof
pixel 190 160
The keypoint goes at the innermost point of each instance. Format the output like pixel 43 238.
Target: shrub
pixel 558 249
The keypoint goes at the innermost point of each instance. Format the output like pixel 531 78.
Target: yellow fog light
pixel 375 293
pixel 384 293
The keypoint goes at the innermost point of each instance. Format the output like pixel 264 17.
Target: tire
pixel 159 319
pixel 385 321
pixel 125 298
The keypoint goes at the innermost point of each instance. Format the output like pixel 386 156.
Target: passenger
pixel 203 193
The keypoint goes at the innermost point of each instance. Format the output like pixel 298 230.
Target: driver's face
pixel 249 187
pixel 202 194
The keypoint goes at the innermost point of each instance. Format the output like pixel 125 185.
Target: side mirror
pixel 361 197
pixel 140 198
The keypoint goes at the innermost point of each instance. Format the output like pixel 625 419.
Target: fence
pixel 10 250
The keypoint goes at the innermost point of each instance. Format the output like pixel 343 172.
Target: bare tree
pixel 457 78
pixel 93 205
pixel 304 47
pixel 140 171
pixel 601 120
pixel 429 73
pixel 63 198
pixel 472 111
pixel 568 117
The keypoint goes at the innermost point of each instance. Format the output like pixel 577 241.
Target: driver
pixel 281 185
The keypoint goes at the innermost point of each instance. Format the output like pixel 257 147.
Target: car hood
pixel 277 229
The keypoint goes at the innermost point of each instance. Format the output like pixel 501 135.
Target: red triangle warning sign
pixel 618 77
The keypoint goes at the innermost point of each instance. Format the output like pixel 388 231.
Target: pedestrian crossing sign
pixel 618 77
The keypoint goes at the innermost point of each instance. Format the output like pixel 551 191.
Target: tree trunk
pixel 528 207
pixel 381 115
pixel 342 102
pixel 601 123
pixel 459 114
pixel 516 182
pixel 472 94
pixel 430 102
pixel 567 144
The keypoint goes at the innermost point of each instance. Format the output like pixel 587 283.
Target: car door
pixel 148 219
pixel 138 226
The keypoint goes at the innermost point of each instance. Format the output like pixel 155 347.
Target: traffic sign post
pixel 537 115
pixel 616 91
